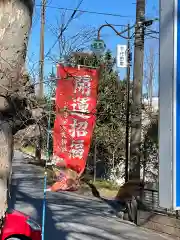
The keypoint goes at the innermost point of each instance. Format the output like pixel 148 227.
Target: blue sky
pixel 127 10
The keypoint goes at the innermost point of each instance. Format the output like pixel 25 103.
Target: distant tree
pixel 109 134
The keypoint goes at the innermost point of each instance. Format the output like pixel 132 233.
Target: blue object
pixel 45 169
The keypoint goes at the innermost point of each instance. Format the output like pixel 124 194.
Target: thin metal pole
pixel 95 156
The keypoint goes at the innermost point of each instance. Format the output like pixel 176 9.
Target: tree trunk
pixel 15 24
pixel 6 154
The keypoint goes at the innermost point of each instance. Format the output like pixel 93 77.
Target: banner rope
pixel 48 153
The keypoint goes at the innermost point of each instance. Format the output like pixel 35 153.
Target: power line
pixel 89 12
pixel 64 27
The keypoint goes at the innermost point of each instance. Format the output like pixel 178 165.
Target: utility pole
pixel 41 58
pixel 127 106
pixel 135 152
pixel 41 77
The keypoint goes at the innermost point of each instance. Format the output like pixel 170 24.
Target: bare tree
pixel 149 73
pixel 68 42
pixel 15 24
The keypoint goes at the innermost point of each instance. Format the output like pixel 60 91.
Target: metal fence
pixel 150 199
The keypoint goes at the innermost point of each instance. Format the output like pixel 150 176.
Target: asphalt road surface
pixel 68 215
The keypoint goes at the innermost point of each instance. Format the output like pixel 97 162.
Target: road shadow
pixel 22 197
pixel 68 216
pixel 116 206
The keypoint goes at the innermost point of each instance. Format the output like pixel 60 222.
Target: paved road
pixel 69 216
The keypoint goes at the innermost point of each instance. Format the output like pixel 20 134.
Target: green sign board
pixel 98 45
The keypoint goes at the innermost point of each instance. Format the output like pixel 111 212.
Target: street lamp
pixel 113 28
pixel 98 47
pixel 98 44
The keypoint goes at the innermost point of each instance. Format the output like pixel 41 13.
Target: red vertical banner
pixel 76 97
